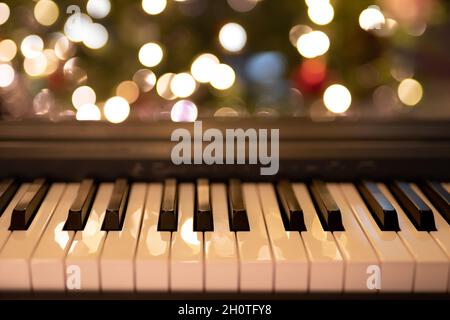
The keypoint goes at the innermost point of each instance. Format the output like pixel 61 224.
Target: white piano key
pixel 326 262
pixel 290 257
pixel 397 264
pixel 117 259
pixel 16 254
pixel 153 250
pixel 442 233
pixel 431 271
pixel 255 255
pixel 85 250
pixel 186 265
pixel 221 257
pixel 47 262
pixel 5 219
pixel 358 253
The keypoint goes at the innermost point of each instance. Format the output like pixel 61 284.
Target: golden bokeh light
pixel 184 111
pixel 145 79
pixel 337 98
pixel 63 48
pixel 371 18
pixel 76 26
pixel 116 110
pixel 154 7
pixel 183 85
pixel 233 37
pixel 202 67
pixel 83 95
pixel 242 5
pixel 52 61
pixel 313 44
pixel 226 112
pixel 223 77
pixel 88 112
pixel 410 92
pixel 4 13
pixel 95 36
pixel 151 54
pixel 8 50
pixel 7 75
pixel 128 90
pixel 98 9
pixel 32 46
pixel 46 12
pixel 35 66
pixel 321 12
pixel 163 86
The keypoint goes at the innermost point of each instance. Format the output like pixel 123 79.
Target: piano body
pixel 369 172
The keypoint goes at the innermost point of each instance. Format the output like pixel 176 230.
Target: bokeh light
pixel 32 46
pixel 46 12
pixel 83 95
pixel 98 9
pixel 96 36
pixel 8 50
pixel 337 98
pixel 76 26
pixel 4 13
pixel 242 5
pixel 150 54
pixel 321 12
pixel 202 67
pixel 297 31
pixel 163 86
pixel 183 85
pixel 223 77
pixel 35 66
pixel 145 79
pixel 313 44
pixel 154 7
pixel 226 112
pixel 7 75
pixel 410 92
pixel 371 18
pixel 116 109
pixel 63 48
pixel 184 111
pixel 128 90
pixel 88 112
pixel 232 37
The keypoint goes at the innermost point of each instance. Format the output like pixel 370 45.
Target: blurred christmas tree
pixel 152 59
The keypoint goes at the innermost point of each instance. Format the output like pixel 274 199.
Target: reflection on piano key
pixel 326 262
pixel 153 250
pixel 115 211
pixel 116 262
pixel 47 263
pixel 354 246
pixel 255 254
pixel 289 254
pixel 85 250
pixel 186 265
pixel 431 267
pixel 15 273
pixel 397 264
pixel 221 257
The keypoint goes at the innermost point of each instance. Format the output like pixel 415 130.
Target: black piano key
pixel 8 188
pixel 168 217
pixel 439 197
pixel 79 211
pixel 329 213
pixel 238 213
pixel 203 220
pixel 291 210
pixel 28 205
pixel 115 211
pixel 416 210
pixel 381 209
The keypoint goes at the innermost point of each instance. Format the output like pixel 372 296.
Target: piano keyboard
pixel 225 237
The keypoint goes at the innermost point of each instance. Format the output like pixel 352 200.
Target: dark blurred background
pixel 105 60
